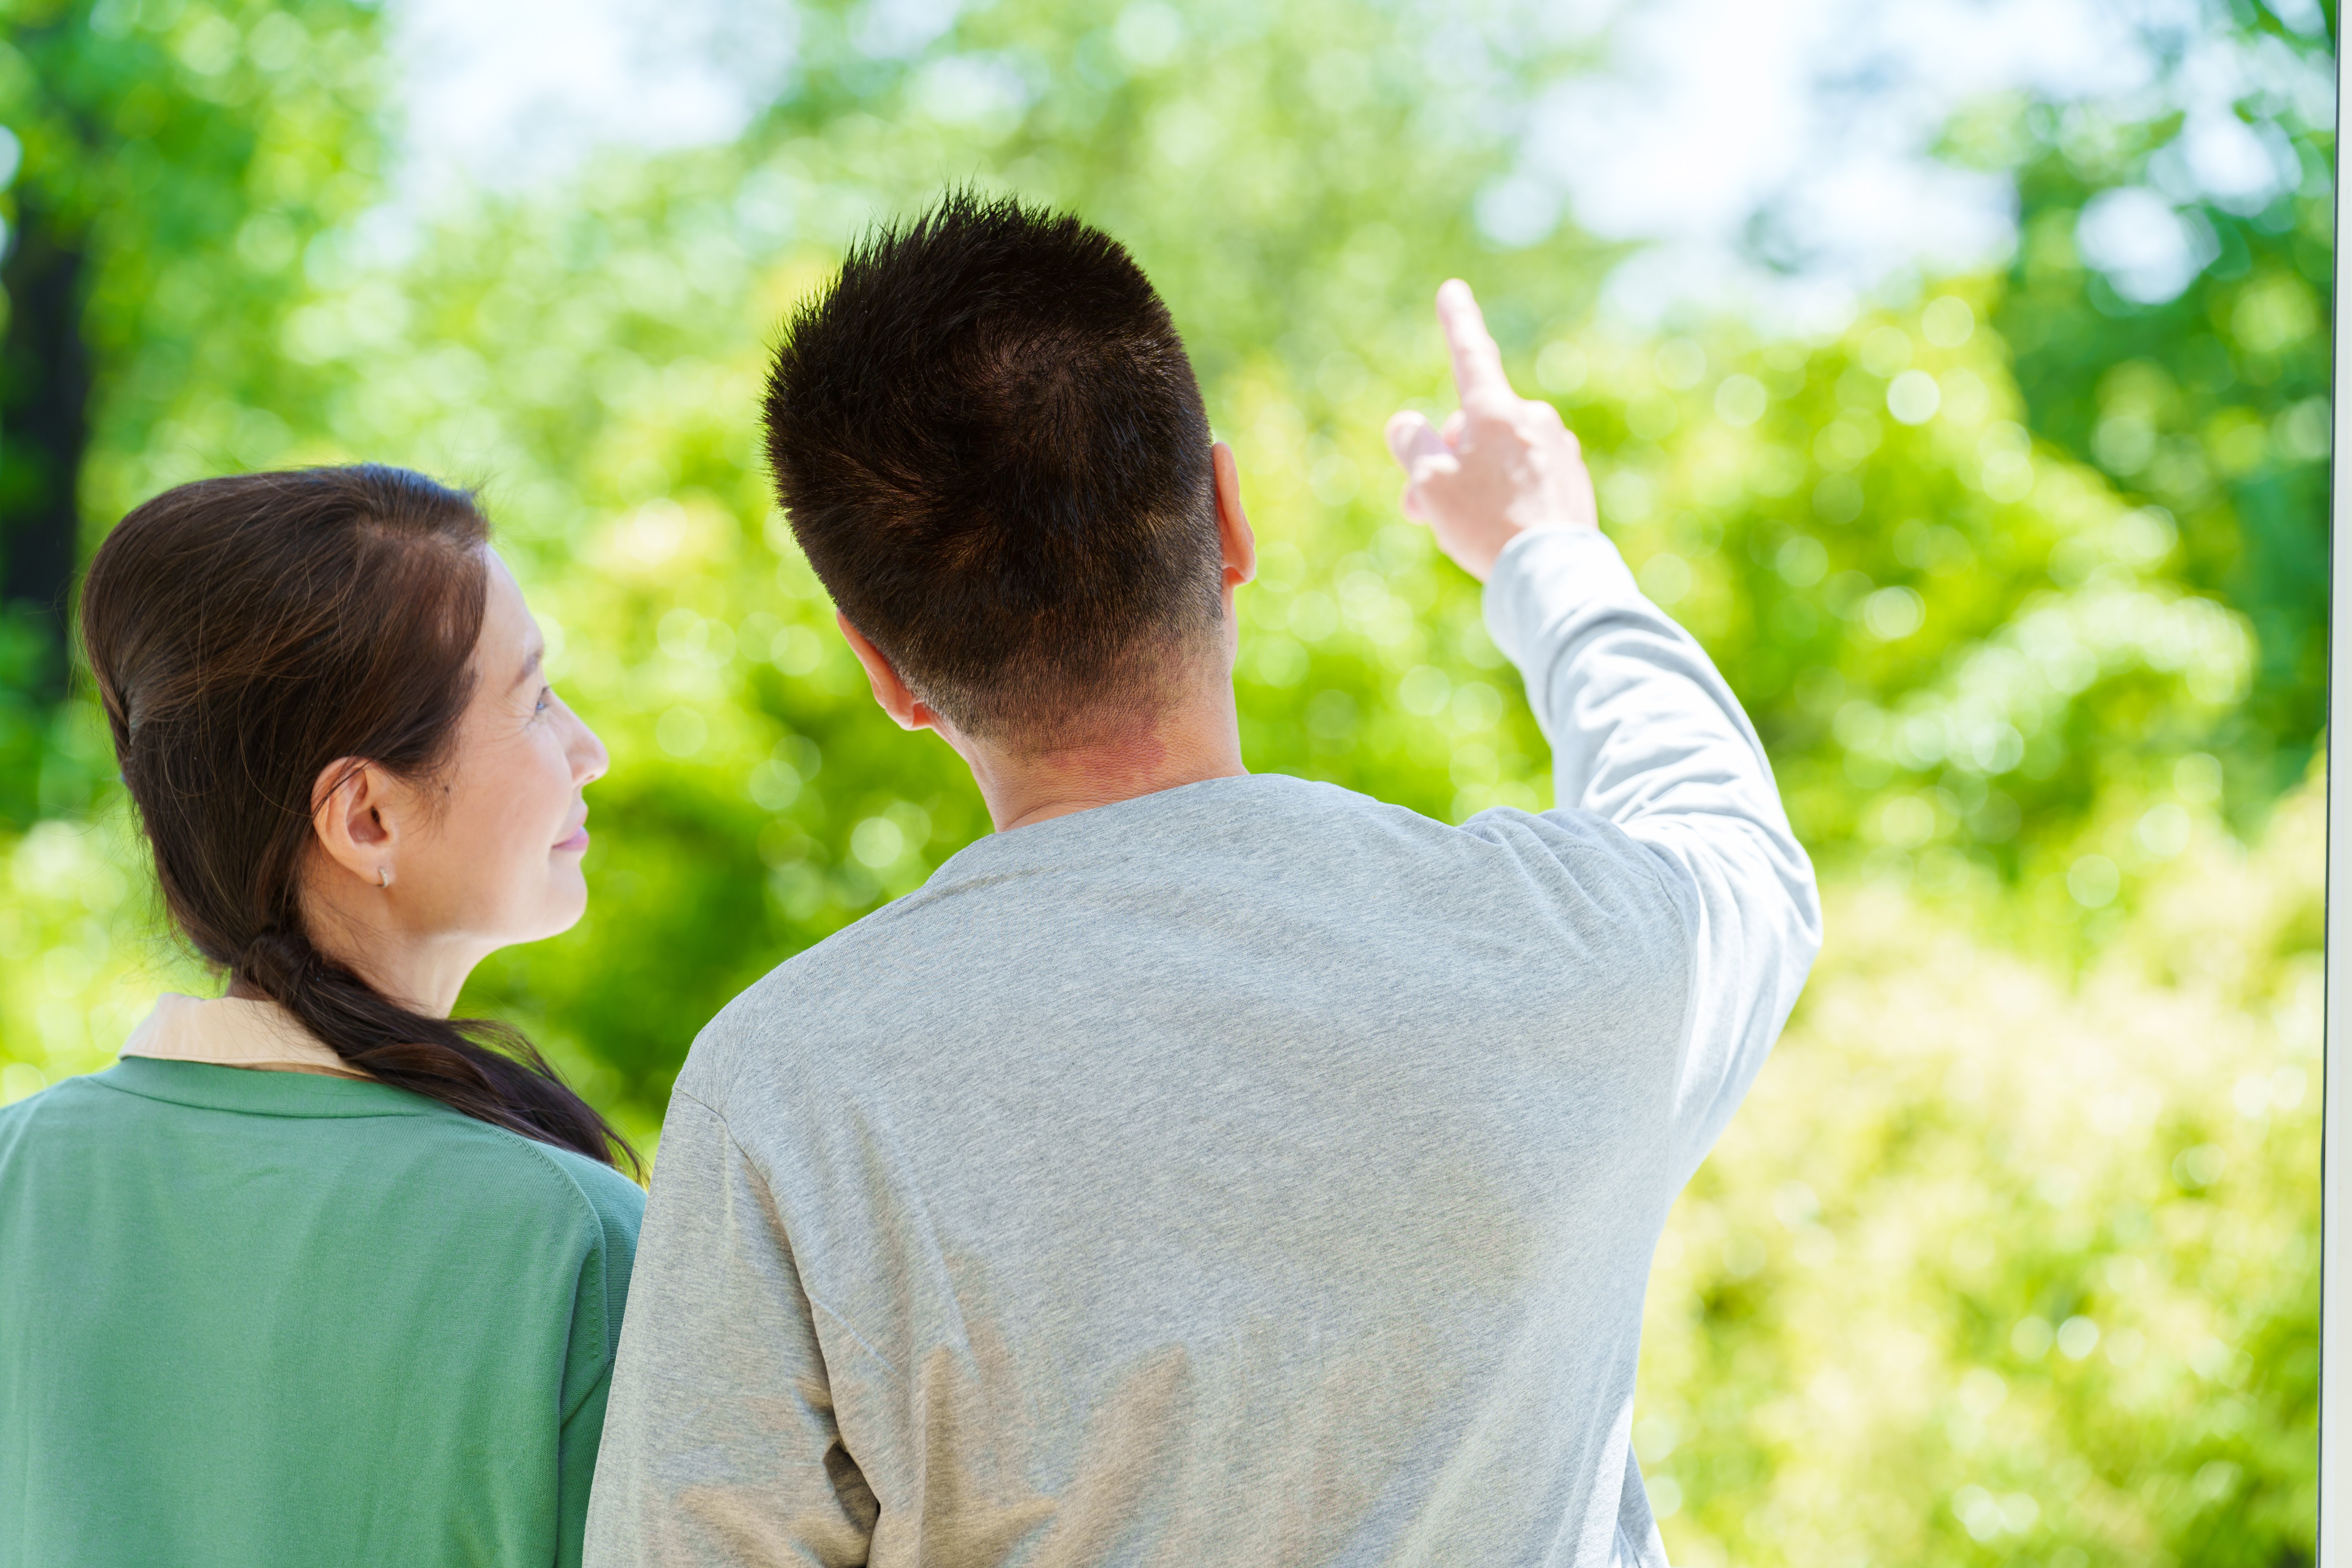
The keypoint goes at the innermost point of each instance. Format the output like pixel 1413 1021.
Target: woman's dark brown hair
pixel 248 632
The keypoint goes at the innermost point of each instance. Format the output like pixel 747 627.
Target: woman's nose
pixel 590 761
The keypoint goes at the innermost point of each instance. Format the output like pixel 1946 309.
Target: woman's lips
pixel 578 840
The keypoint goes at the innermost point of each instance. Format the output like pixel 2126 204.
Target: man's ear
pixel 892 693
pixel 1233 534
pixel 357 820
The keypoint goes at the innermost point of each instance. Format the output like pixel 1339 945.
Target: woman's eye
pixel 546 696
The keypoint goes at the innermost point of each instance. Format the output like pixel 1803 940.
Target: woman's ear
pixel 357 820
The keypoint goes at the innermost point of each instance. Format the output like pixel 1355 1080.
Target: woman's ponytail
pixel 510 1085
pixel 245 632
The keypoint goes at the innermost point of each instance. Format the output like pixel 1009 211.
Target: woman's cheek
pixel 538 793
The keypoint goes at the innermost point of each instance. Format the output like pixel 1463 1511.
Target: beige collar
pixel 234 1032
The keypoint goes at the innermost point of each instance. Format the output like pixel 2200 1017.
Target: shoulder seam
pixel 600 1252
pixel 859 1339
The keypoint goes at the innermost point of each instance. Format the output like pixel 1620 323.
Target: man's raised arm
pixel 1644 731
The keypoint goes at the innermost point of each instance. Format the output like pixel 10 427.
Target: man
pixel 1207 1168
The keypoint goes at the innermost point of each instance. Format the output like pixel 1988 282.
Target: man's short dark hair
pixel 991 445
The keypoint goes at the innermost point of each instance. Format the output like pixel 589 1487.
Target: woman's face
pixel 497 858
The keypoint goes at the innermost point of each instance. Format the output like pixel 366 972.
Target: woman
pixel 317 1274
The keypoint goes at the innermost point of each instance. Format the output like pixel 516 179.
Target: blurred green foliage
pixel 170 165
pixel 2012 653
pixel 1999 1264
pixel 2213 402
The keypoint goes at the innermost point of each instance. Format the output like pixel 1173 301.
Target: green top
pixel 252 1319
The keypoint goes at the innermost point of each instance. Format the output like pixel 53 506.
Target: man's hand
pixel 1503 465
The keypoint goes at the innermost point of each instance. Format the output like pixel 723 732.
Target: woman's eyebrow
pixel 530 665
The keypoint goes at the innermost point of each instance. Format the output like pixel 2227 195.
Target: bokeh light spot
pixel 2093 881
pixel 1947 322
pixel 1913 397
pixel 1740 401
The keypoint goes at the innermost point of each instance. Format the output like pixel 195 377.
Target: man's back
pixel 1245 1172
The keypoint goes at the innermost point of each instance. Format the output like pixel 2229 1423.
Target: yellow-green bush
pixel 2007 1261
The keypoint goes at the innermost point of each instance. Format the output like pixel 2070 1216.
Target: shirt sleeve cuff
pixel 1542 575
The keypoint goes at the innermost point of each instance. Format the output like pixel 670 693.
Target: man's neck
pixel 1201 740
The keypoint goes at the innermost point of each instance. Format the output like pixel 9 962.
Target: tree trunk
pixel 44 427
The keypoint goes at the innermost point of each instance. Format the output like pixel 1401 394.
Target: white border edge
pixel 2335 1201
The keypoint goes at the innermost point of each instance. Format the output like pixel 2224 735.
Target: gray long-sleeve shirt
pixel 1246 1173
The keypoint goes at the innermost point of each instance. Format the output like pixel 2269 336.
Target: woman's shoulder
pixel 345 1126
pixel 513 1195
pixel 66 1099
pixel 618 1202
pixel 615 1207
pixel 590 1191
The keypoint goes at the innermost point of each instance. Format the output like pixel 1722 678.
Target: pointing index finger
pixel 1477 363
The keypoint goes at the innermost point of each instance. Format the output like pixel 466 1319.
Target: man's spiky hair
pixel 990 443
